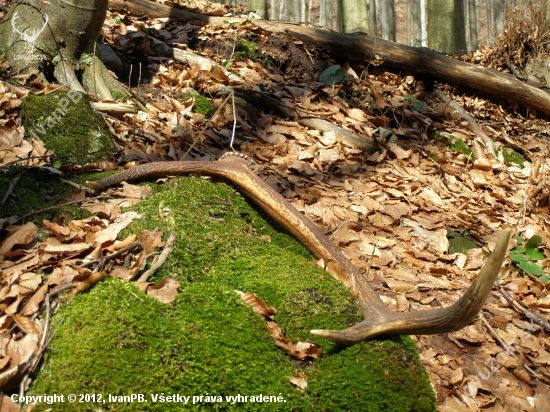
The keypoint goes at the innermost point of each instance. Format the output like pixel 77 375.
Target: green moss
pixel 511 156
pixel 115 340
pixel 37 190
pixel 68 125
pixel 246 49
pixel 201 104
pixel 458 145
pixel 118 95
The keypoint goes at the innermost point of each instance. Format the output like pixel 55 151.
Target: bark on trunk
pixel 61 33
pixel 362 48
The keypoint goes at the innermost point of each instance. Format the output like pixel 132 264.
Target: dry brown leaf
pixel 122 244
pixel 33 304
pixel 165 291
pixel 299 350
pixel 29 282
pixel 67 249
pixel 104 208
pixel 88 283
pixel 110 233
pixel 133 191
pixel 27 325
pixel 258 305
pixel 400 287
pixel 300 383
pixel 9 137
pixel 22 236
pixel 149 239
pixel 395 151
pixel 143 286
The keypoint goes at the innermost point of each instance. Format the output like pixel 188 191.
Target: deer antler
pixel 379 320
pixel 28 38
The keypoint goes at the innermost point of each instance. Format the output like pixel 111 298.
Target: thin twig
pixel 234 121
pixel 159 261
pixel 519 307
pixel 102 196
pixel 217 203
pixel 506 347
pixel 113 256
pixel 139 130
pixel 196 139
pixel 73 184
pixel 26 158
pixel 8 194
pixel 339 227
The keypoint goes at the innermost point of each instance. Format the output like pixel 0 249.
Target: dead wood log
pixel 360 47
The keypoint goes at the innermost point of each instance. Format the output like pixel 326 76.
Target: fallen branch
pixel 474 127
pixel 115 107
pixel 363 49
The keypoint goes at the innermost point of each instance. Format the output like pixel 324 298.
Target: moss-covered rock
pixel 115 340
pixel 68 125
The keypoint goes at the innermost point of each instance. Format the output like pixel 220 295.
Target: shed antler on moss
pixel 378 319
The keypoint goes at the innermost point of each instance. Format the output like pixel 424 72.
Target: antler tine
pixel 427 322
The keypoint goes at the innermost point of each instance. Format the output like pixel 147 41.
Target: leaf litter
pixel 390 211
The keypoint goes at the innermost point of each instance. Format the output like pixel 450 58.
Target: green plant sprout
pixel 525 257
pixel 334 74
pixel 418 106
pixel 458 145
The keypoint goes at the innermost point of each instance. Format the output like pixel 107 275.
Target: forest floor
pixel 398 210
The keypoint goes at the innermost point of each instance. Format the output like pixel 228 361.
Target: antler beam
pixel 378 319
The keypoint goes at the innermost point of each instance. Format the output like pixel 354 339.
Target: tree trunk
pixel 373 21
pixel 61 34
pixel 472 15
pixel 423 23
pixel 258 6
pixel 387 19
pixel 362 48
pixel 489 12
pixel 446 31
pixel 416 23
pixel 272 10
pixel 296 10
pixel 354 16
pixel 499 16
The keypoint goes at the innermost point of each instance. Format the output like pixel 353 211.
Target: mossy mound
pixel 115 340
pixel 68 125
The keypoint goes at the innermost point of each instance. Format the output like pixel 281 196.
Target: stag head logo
pixel 29 36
